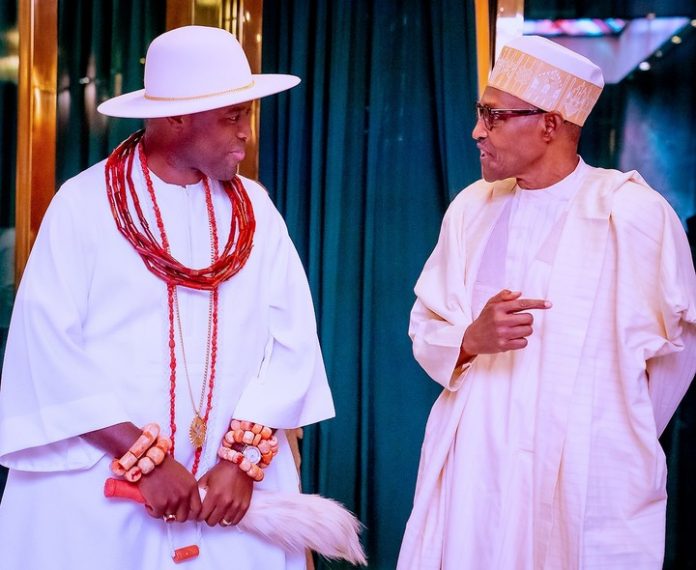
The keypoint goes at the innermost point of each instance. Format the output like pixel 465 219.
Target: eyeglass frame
pixel 489 115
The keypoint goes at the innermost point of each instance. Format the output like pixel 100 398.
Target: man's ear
pixel 552 123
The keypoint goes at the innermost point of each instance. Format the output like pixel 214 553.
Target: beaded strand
pixel 160 262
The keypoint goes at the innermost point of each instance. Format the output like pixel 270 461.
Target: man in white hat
pixel 557 311
pixel 162 289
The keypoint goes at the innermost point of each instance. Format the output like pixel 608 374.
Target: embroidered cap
pixel 548 75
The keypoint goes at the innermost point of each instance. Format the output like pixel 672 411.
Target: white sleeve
pixel 672 367
pixel 51 390
pixel 291 389
pixel 442 312
pixel 670 376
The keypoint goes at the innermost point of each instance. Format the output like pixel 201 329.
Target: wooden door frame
pixel 36 121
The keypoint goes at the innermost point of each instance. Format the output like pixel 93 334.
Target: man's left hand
pixel 228 494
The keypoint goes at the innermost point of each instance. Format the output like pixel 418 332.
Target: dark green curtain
pixel 679 442
pixel 8 166
pixel 362 159
pixel 8 117
pixel 101 51
pixel 659 130
pixel 602 135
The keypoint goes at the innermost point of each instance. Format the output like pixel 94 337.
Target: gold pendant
pixel 197 431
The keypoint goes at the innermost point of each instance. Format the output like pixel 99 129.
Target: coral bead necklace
pixel 158 259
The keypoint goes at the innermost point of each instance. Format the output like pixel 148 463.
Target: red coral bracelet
pixel 250 445
pixel 148 451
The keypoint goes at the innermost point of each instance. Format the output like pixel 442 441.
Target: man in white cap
pixel 162 289
pixel 557 311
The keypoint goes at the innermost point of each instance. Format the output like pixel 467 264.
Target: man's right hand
pixel 501 326
pixel 171 489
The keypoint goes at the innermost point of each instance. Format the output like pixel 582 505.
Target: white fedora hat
pixel 194 69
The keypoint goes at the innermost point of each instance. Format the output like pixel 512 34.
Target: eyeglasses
pixel 489 115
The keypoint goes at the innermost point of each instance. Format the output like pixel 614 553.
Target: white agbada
pixel 88 348
pixel 548 457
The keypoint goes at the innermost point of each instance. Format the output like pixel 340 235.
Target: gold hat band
pixel 244 87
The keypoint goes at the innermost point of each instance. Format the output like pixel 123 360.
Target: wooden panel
pixel 483 43
pixel 36 123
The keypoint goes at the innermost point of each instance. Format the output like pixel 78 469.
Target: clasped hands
pixel 501 326
pixel 171 490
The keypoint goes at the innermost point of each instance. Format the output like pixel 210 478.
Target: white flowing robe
pixel 88 348
pixel 582 483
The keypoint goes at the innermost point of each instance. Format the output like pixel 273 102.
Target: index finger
pixel 196 503
pixel 525 304
pixel 206 507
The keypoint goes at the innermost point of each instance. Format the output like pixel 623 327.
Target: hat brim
pixel 136 106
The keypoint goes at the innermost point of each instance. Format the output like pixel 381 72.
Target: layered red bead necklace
pixel 158 259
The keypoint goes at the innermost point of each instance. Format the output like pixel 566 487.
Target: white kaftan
pixel 547 457
pixel 88 348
